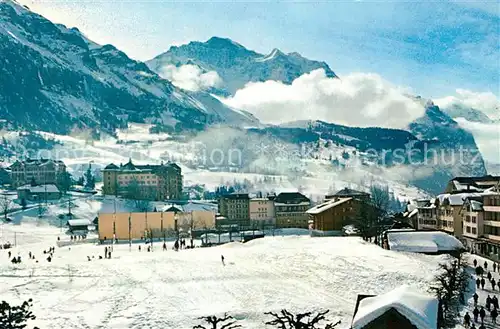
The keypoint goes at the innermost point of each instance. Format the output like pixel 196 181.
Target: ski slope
pixel 161 290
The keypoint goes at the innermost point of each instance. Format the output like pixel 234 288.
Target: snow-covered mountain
pixel 237 65
pixel 466 112
pixel 54 78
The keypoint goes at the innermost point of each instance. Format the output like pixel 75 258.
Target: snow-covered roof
pixel 420 309
pixel 79 222
pixel 49 188
pixel 457 199
pixel 476 205
pixel 412 213
pixel 326 205
pixel 423 241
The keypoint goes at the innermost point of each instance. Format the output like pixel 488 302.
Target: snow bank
pixel 424 242
pixel 421 310
pixel 169 289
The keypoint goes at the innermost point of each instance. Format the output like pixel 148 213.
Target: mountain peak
pixel 219 42
pixel 272 55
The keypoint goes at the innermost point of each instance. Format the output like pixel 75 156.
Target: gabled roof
pixel 111 166
pixel 79 222
pixel 327 205
pixel 347 192
pixel 173 208
pixel 129 166
pixel 291 197
pixel 418 308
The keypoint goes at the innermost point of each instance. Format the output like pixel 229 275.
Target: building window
pixel 467 229
pixel 474 230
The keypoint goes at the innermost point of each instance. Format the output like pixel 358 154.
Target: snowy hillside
pixel 269 164
pixel 170 289
pixel 54 78
pixel 235 64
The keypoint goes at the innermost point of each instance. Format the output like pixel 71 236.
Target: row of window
pixel 471 230
pixel 492 201
pixel 468 219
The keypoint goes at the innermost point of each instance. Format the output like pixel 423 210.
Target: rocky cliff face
pixel 53 78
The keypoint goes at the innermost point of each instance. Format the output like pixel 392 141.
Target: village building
pixel 426 242
pixel 427 214
pixel 79 226
pixel 471 184
pixel 156 225
pixel 235 208
pixel 334 214
pixel 47 192
pixel 155 182
pixel 402 308
pixel 481 218
pixel 36 172
pixel 262 211
pixel 4 176
pixel 290 210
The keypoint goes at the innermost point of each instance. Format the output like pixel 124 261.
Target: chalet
pixel 78 226
pixel 402 308
pixel 334 214
pixel 38 193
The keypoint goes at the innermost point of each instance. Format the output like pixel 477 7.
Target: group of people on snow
pixel 491 305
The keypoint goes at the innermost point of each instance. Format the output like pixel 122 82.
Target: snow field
pixel 171 289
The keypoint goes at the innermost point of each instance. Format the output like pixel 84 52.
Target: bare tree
pixel 450 286
pixel 5 206
pixel 214 322
pixel 365 220
pixel 380 199
pixel 139 196
pixel 308 320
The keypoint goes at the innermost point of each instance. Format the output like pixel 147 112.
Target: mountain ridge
pixel 237 65
pixel 56 79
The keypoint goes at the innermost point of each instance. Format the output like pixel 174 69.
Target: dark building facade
pixel 290 210
pixel 157 182
pixel 235 208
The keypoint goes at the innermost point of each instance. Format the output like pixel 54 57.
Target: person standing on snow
pixel 467 320
pixel 482 283
pixel 482 314
pixel 493 283
pixel 222 258
pixel 494 315
pixel 476 297
pixel 475 263
pixel 478 283
pixel 475 313
pixel 485 265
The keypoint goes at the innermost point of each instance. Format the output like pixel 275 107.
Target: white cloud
pixel 357 99
pixel 487 137
pixel 487 102
pixel 190 77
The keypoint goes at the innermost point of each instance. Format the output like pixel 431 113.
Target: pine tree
pixel 89 179
pixel 15 317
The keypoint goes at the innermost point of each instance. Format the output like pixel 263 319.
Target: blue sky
pixel 430 47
